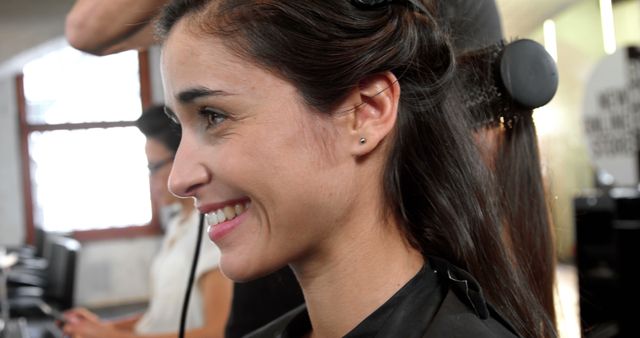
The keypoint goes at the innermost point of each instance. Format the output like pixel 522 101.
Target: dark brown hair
pixel 435 184
pixel 515 161
pixel 155 124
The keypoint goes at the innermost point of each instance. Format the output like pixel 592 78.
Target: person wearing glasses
pixel 211 296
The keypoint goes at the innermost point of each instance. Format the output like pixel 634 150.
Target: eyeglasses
pixel 155 166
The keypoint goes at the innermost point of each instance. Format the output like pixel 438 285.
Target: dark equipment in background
pixel 41 286
pixel 608 253
pixel 51 282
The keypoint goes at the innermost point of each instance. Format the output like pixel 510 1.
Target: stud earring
pixel 363 140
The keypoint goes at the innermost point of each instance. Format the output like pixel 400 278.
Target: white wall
pixel 28 23
pixel 24 24
pixel 115 271
pixel 11 199
pixel 157 92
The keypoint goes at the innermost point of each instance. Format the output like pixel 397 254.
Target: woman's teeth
pixel 226 214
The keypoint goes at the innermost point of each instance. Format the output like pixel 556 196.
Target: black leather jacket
pixel 440 301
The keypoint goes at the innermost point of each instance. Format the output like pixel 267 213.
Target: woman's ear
pixel 374 118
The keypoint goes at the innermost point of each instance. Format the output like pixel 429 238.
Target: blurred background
pixel 68 147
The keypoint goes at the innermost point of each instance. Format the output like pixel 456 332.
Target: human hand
pixel 77 314
pixel 87 329
pixel 82 323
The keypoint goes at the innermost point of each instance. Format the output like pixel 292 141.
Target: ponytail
pixel 515 161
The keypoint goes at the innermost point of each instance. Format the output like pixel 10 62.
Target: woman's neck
pixel 347 282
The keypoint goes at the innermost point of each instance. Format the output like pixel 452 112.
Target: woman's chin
pixel 241 271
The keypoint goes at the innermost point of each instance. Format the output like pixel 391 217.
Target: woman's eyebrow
pixel 191 94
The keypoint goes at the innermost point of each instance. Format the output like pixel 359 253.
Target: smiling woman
pixel 243 107
pixel 327 135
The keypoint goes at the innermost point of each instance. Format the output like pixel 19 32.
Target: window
pixel 84 158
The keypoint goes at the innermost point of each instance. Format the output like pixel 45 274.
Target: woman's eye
pixel 213 117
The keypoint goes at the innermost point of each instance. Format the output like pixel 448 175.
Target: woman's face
pixel 253 152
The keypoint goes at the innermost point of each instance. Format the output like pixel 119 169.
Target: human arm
pixel 126 323
pixel 104 27
pixel 80 322
pixel 216 292
pixel 143 38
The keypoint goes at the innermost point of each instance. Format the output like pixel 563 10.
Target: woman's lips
pixel 225 218
pixel 226 213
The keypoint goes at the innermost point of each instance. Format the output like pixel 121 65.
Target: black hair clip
pixel 369 4
pixel 528 73
pixel 373 4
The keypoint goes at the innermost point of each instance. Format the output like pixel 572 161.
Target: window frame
pixel 150 229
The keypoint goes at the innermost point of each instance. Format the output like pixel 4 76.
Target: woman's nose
pixel 188 173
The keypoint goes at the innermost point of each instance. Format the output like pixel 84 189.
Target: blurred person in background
pixel 210 301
